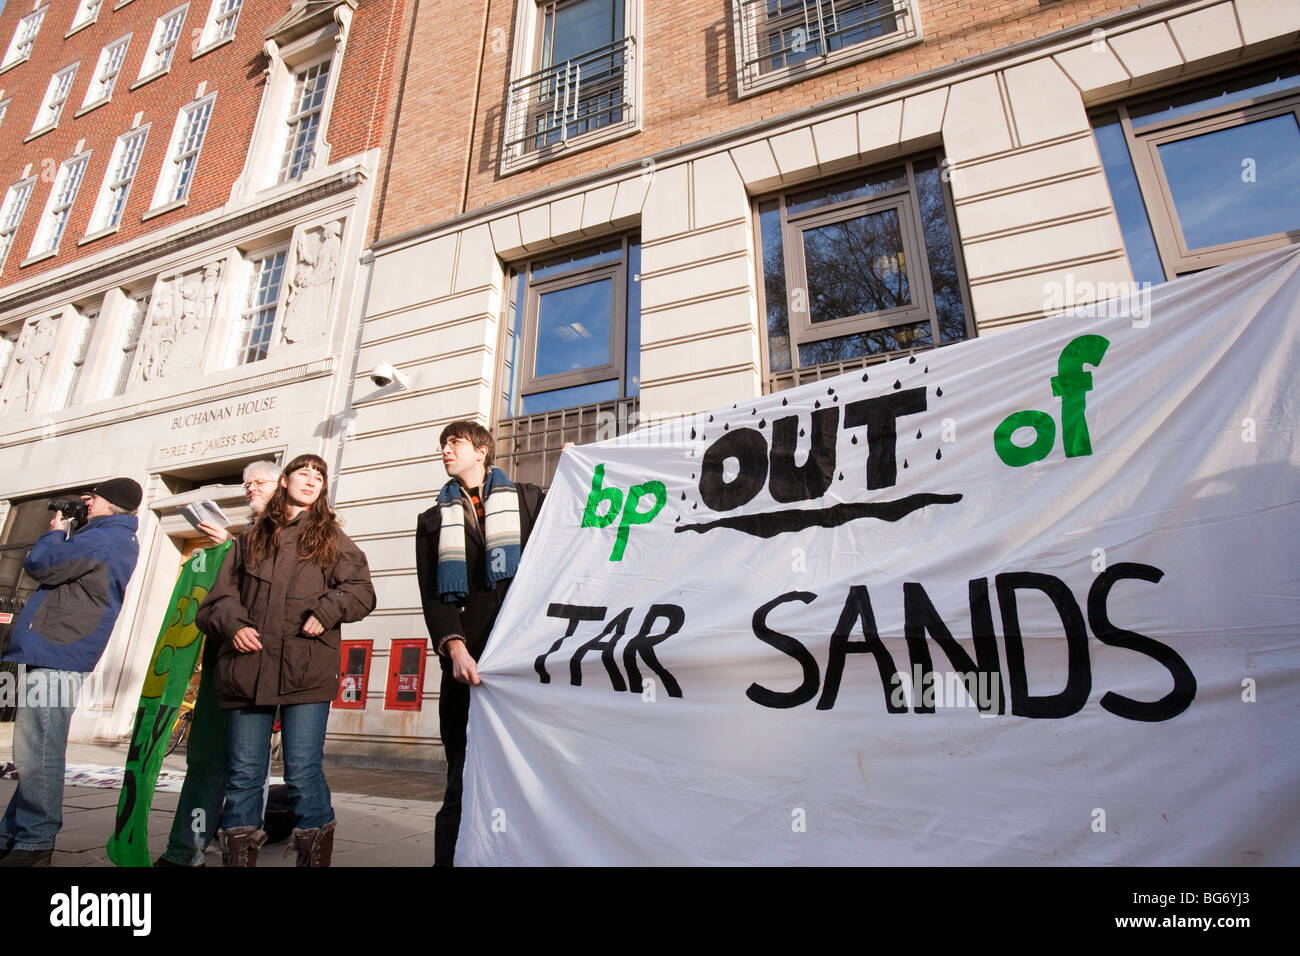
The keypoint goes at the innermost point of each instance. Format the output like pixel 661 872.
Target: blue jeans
pixel 35 811
pixel 248 753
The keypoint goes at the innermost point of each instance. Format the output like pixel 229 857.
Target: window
pixel 11 214
pixel 68 387
pixel 571 353
pixel 355 675
pixel 405 675
pixel 86 13
pixel 56 94
pixel 62 196
pixel 1207 174
pixel 187 140
pixel 121 171
pixel 124 359
pixel 785 40
pixel 253 332
pixel 859 267
pixel 222 17
pixel 166 33
pixel 20 47
pixel 582 89
pixel 4 109
pixel 309 87
pixel 106 71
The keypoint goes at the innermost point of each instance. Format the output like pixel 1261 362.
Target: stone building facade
pixel 605 212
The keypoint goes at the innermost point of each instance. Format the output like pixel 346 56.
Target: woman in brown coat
pixel 290 580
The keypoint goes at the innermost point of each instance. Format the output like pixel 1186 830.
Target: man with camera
pixel 59 637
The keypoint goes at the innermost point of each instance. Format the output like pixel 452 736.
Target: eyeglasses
pixel 455 443
pixel 258 481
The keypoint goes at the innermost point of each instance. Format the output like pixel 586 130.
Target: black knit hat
pixel 123 492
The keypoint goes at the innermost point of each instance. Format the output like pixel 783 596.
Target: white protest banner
pixel 1030 599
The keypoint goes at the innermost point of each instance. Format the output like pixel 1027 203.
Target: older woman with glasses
pixel 291 579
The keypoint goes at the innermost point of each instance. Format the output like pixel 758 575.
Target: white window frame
pixel 295 116
pixel 526 62
pixel 223 19
pixel 754 71
pixel 107 70
pixel 58 208
pixel 87 13
pixel 123 166
pixel 56 97
pixel 24 38
pixel 11 214
pixel 163 43
pixel 4 110
pixel 327 41
pixel 240 342
pixel 165 196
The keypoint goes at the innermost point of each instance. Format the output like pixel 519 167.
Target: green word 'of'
pixel 1071 385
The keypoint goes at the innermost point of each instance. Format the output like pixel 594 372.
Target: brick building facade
pixel 187 189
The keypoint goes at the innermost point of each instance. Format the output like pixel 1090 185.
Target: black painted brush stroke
pixel 768 524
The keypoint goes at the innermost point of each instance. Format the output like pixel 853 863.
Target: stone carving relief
pixel 180 315
pixel 27 366
pixel 315 265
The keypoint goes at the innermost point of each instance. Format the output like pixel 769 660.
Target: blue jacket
pixel 67 623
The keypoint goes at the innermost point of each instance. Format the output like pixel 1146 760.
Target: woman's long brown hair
pixel 318 536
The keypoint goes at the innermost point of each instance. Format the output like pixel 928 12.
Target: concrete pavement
pixel 385 817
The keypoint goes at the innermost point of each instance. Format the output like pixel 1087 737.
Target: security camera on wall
pixel 384 375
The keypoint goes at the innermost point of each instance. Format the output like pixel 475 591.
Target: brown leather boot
pixel 314 846
pixel 239 845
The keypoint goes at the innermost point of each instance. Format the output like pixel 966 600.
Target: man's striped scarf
pixel 501 532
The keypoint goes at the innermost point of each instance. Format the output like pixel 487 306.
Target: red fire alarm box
pixel 405 675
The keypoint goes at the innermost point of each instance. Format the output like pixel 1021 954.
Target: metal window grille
pixel 55 97
pixel 304 120
pixel 25 36
pixel 65 194
pixel 110 65
pixel 130 342
pixel 12 214
pixel 259 318
pixel 226 18
pixel 571 98
pixel 194 124
pixel 123 173
pixel 528 447
pixel 776 35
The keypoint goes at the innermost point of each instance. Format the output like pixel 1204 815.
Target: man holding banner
pixel 467 549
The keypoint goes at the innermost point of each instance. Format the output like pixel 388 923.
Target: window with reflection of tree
pixel 863 265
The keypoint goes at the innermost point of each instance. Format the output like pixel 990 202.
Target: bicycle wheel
pixel 180 730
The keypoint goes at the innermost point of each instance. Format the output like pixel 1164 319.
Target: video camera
pixel 73 511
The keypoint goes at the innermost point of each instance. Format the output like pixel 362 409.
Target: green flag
pixel 165 683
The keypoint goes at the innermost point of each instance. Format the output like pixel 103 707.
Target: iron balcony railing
pixel 776 34
pixel 567 100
